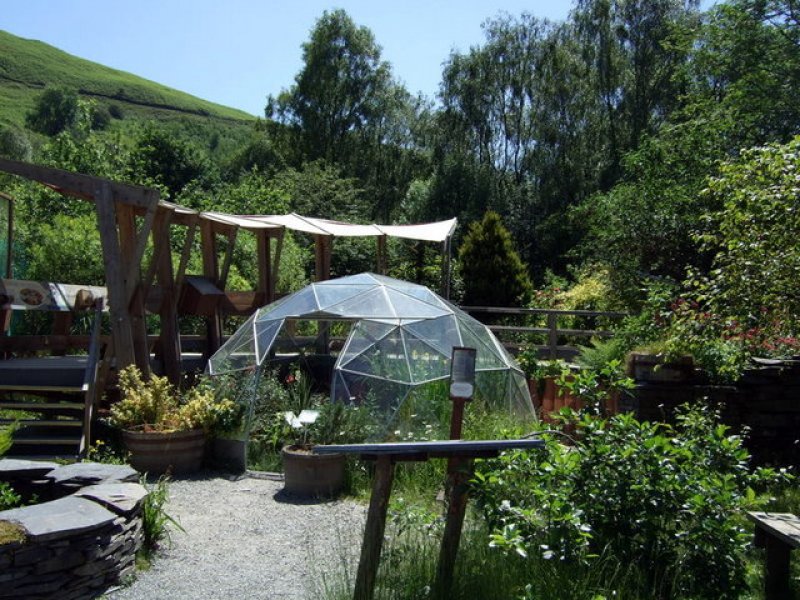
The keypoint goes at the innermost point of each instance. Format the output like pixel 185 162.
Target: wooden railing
pixel 553 334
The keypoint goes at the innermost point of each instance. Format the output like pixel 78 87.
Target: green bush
pixel 666 500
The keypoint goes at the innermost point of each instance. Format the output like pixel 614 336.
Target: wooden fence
pixel 554 335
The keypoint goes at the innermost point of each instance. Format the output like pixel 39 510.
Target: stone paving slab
pixel 88 473
pixel 120 498
pixel 66 516
pixel 16 468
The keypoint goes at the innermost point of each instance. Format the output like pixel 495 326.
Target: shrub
pixel 661 498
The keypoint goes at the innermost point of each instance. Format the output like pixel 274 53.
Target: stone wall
pixel 80 542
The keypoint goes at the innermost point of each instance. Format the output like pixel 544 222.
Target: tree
pixel 162 159
pixel 493 273
pixel 340 89
pixel 756 271
pixel 56 109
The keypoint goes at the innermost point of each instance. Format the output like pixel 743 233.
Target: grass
pixel 26 66
pixel 12 533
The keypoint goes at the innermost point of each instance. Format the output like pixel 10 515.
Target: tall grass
pixel 409 560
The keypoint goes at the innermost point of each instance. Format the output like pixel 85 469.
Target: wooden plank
pixel 141 236
pixel 441 447
pixel 40 406
pixel 784 526
pixel 263 261
pixel 34 343
pixel 211 271
pixel 372 544
pixel 459 475
pixel 544 330
pixel 78 185
pixel 552 336
pixel 43 422
pixel 504 310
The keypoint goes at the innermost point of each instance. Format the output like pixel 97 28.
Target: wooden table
pixel 779 533
pixel 459 454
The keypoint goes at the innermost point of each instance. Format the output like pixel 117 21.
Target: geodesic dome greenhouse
pixel 401 338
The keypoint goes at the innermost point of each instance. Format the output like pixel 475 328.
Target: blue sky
pixel 236 52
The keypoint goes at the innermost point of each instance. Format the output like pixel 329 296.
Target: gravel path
pixel 244 539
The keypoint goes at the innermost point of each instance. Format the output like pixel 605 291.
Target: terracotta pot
pixel 312 475
pixel 159 452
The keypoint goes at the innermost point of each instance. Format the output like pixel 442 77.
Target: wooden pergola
pixel 131 216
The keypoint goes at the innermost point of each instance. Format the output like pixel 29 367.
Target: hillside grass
pixel 27 66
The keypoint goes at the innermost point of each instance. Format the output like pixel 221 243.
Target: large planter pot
pixel 230 454
pixel 651 368
pixel 312 475
pixel 177 452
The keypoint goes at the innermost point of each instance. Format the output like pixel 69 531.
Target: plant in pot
pixel 165 429
pixel 323 422
pixel 231 420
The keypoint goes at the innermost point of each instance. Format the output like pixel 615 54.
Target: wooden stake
pixel 372 544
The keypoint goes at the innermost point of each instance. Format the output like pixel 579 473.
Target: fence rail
pixel 553 349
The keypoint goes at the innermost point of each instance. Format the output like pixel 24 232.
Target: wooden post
pixel 121 330
pixel 170 337
pixel 264 261
pixel 776 576
pixel 459 474
pixel 211 271
pixel 372 544
pixel 552 335
pixel 382 261
pixel 276 262
pixel 323 245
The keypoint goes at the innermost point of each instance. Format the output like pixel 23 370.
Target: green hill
pixel 27 66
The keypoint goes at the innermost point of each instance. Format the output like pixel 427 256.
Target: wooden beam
pixel 263 243
pixel 134 268
pixel 128 243
pixel 276 263
pixel 188 242
pixel 323 245
pixel 381 254
pixel 226 263
pixel 79 185
pixel 211 272
pixel 160 235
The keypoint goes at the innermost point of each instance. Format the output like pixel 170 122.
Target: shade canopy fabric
pixel 402 337
pixel 439 231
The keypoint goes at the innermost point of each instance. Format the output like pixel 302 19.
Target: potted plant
pixel 305 473
pixel 164 429
pixel 231 421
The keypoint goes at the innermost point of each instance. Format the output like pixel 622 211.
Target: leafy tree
pixel 159 158
pixel 56 109
pixel 340 88
pixel 493 273
pixel 14 143
pixel 756 271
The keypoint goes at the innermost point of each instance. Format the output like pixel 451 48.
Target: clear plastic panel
pixel 363 337
pixel 370 304
pixel 441 333
pixel 331 295
pixel 408 307
pixel 266 332
pixel 487 357
pixel 239 352
pixel 298 304
pixel 427 362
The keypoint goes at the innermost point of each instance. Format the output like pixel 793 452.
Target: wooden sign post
pixel 459 469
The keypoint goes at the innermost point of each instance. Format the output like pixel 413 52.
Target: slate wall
pixel 77 545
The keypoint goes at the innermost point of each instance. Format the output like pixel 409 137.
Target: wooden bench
pixel 779 534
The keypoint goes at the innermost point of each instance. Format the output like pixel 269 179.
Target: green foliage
pixel 159 158
pixel 55 110
pixel 493 273
pixel 664 499
pixel 595 386
pixel 155 520
pixel 756 274
pixel 8 497
pixel 14 143
pixel 155 405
